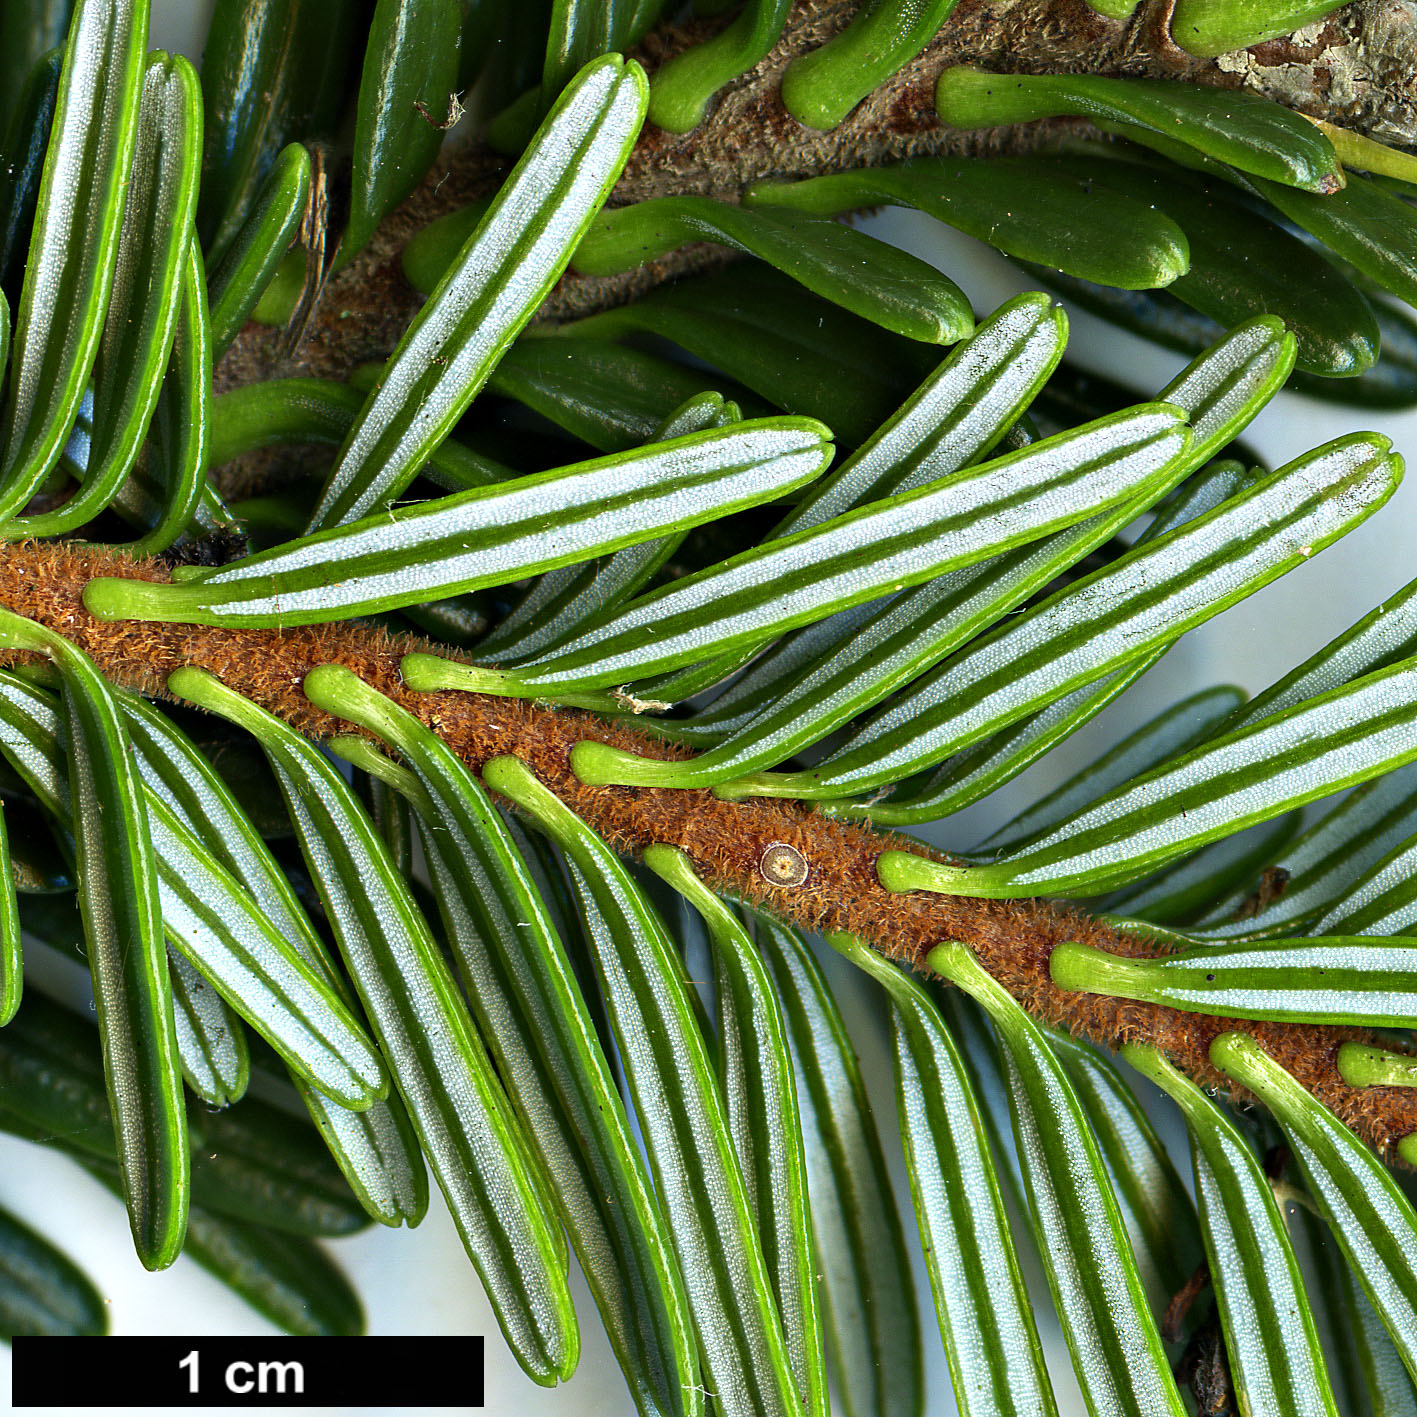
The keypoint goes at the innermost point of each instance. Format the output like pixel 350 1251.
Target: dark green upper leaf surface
pixel 887 286
pixel 581 30
pixel 1211 27
pixel 250 259
pixel 273 73
pixel 25 146
pixel 1243 264
pixel 322 411
pixel 609 395
pixel 1026 207
pixel 1252 134
pixel 42 1292
pixel 27 31
pixel 823 85
pixel 793 348
pixel 288 1278
pixel 118 898
pixel 251 1160
pixel 409 84
pixel 684 84
pixel 1364 224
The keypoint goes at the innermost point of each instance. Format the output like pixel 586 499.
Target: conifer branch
pixel 1351 70
pixel 730 843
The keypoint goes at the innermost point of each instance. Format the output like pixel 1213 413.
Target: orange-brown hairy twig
pixel 731 843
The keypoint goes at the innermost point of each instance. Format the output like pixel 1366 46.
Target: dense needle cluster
pixel 602 498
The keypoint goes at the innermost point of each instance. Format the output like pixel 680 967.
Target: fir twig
pixel 727 841
pixel 1353 73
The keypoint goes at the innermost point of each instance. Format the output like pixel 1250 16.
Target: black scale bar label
pixel 254 1372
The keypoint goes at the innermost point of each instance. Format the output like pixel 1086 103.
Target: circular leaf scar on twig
pixel 782 865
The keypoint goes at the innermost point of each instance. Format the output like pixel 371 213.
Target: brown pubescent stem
pixel 726 841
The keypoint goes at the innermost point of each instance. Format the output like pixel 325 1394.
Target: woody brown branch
pixel 1355 69
pixel 725 840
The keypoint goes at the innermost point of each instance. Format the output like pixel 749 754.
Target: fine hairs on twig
pixel 818 873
